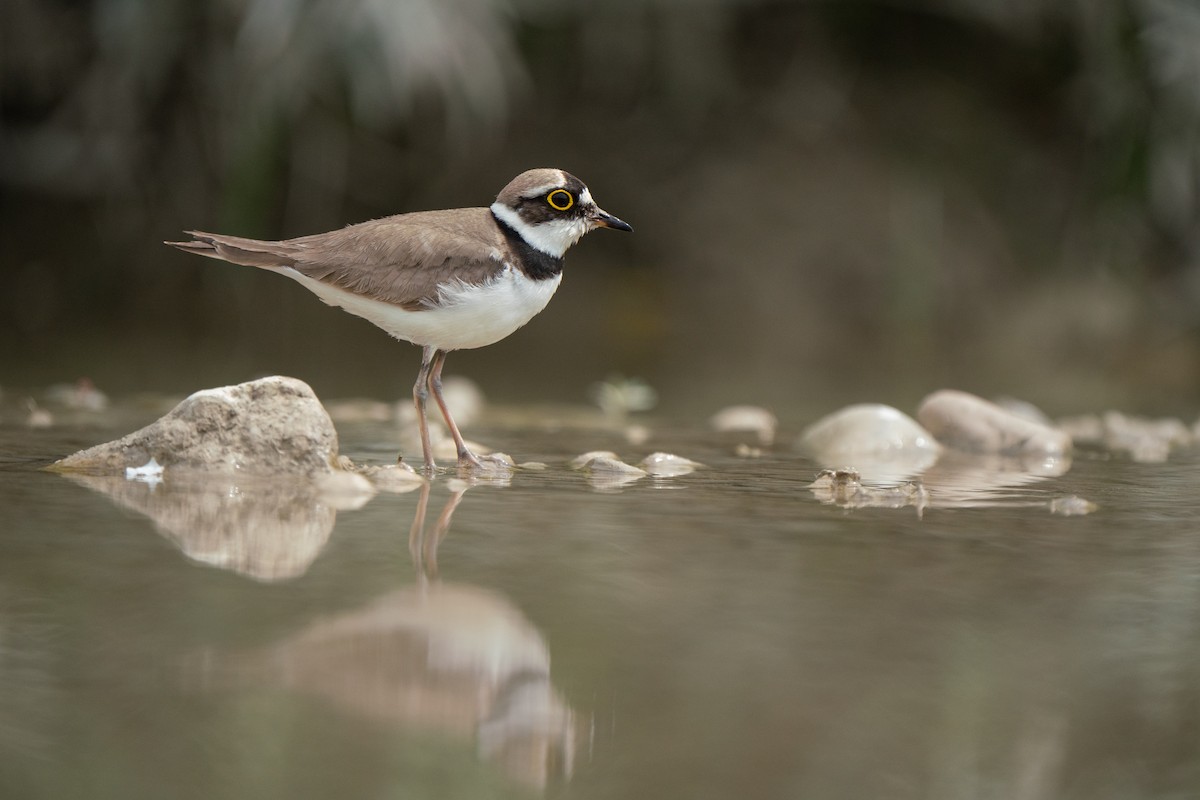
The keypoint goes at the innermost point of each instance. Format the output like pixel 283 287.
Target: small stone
pixel 964 422
pixel 613 466
pixel 667 465
pixel 605 471
pixel 744 450
pixel 536 466
pixel 1147 441
pixel 581 461
pixel 1071 506
pixel 744 418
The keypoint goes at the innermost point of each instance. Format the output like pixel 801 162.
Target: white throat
pixel 553 238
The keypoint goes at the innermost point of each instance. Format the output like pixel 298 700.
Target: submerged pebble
pixel 962 421
pixel 1071 506
pixel 746 419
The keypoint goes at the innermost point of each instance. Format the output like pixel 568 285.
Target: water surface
pixel 717 634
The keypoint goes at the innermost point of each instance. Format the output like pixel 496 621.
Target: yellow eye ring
pixel 560 199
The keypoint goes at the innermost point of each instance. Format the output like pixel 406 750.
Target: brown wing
pixel 401 259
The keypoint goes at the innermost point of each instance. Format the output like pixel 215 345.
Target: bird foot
pixel 471 464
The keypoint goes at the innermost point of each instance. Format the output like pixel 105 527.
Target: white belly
pixel 468 317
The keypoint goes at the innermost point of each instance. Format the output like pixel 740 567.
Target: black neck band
pixel 537 265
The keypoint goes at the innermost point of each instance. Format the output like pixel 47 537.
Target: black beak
pixel 606 220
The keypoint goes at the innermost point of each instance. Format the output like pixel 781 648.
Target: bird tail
pixel 238 250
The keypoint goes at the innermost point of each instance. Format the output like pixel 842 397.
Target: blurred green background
pixel 833 201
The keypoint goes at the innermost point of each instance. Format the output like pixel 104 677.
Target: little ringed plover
pixel 445 280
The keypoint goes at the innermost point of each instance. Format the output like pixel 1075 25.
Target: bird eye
pixel 560 199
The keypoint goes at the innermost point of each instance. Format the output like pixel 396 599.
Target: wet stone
pixel 668 465
pixel 269 426
pixel 881 442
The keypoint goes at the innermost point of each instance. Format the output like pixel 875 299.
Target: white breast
pixel 469 316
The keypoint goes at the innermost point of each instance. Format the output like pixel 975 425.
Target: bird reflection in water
pixel 437 658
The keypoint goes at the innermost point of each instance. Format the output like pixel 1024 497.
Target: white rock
pixel 962 421
pixel 880 442
pixel 667 465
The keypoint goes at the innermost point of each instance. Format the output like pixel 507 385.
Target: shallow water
pixel 718 634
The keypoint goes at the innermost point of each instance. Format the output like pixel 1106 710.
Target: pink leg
pixel 420 395
pixel 465 456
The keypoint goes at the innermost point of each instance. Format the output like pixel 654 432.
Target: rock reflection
pixel 265 530
pixel 956 480
pixel 437 657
